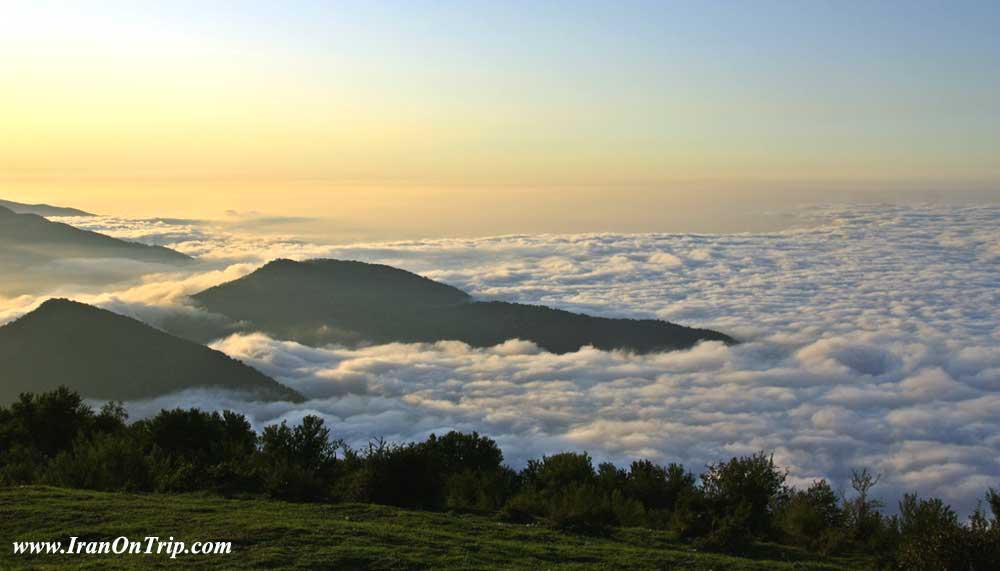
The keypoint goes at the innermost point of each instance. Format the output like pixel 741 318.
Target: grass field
pixel 278 535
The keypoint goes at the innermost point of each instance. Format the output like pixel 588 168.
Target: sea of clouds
pixel 869 339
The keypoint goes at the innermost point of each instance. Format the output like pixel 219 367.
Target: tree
pixel 193 436
pixel 457 452
pixel 861 512
pixel 50 421
pixel 658 487
pixel 744 492
pixel 299 463
pixel 611 478
pixel 112 418
pixel 993 500
pixel 559 471
pixel 813 517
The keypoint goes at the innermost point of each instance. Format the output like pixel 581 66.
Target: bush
pixel 627 512
pixel 21 464
pixel 580 508
pixel 691 518
pixel 731 532
pixel 479 491
pixel 170 474
pixel 585 505
pixel 393 474
pixel 525 507
pixel 107 461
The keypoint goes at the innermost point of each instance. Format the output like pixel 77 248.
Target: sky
pixel 593 156
pixel 464 118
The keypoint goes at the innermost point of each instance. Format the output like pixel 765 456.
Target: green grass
pixel 278 535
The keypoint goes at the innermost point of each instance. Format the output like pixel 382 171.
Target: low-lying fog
pixel 871 338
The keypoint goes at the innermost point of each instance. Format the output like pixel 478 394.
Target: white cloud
pixel 870 340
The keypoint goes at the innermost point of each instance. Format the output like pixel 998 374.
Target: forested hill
pixel 104 355
pixel 334 301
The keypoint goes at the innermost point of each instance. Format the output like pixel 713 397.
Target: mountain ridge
pixel 30 236
pixel 344 301
pixel 42 209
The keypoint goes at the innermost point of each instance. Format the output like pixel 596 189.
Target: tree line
pixel 55 438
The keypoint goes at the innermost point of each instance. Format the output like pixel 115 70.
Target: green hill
pixel 107 356
pixel 277 535
pixel 332 301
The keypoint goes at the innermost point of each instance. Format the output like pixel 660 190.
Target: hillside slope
pixel 332 301
pixel 279 535
pixel 29 239
pixel 108 356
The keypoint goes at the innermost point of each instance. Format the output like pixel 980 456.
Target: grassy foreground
pixel 278 535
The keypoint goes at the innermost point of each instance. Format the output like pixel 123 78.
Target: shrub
pixel 393 474
pixel 21 464
pixel 691 518
pixel 628 512
pixel 581 508
pixel 169 474
pixel 524 507
pixel 479 491
pixel 731 531
pixel 107 461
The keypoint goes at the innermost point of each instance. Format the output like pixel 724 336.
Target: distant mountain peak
pixel 105 355
pixel 355 279
pixel 59 303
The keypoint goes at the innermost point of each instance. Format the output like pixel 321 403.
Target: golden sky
pixel 195 108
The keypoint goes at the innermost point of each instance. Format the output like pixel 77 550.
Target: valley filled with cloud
pixel 871 337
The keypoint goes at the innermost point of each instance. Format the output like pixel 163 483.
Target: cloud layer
pixel 871 339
